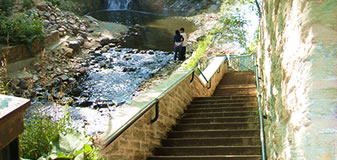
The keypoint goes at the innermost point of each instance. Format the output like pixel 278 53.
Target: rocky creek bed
pixel 91 76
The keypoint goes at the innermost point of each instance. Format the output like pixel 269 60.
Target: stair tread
pixel 225 112
pixel 206 156
pixel 206 147
pixel 224 97
pixel 204 138
pixel 215 100
pixel 245 103
pixel 221 117
pixel 216 130
pixel 221 123
pixel 213 108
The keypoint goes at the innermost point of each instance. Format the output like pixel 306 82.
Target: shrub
pixel 20 29
pixel 40 131
pixel 45 138
pixel 6 6
pixel 27 4
pixel 55 2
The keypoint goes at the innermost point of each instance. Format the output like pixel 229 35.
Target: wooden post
pixel 11 125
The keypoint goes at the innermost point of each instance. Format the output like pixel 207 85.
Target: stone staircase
pixel 223 126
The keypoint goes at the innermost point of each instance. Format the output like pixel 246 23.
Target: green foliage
pixel 27 4
pixel 4 87
pixel 55 2
pixel 75 146
pixel 202 46
pixel 20 29
pixel 40 131
pixel 230 28
pixel 46 138
pixel 6 6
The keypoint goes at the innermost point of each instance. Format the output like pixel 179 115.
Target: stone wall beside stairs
pixel 22 51
pixel 297 57
pixel 138 141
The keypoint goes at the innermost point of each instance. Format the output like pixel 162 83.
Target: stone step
pixel 239 86
pixel 214 133
pixel 210 141
pixel 225 97
pixel 207 150
pixel 234 94
pixel 234 90
pixel 220 109
pixel 215 157
pixel 219 119
pixel 220 114
pixel 214 105
pixel 215 126
pixel 223 101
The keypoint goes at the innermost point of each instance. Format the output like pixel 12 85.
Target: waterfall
pixel 118 4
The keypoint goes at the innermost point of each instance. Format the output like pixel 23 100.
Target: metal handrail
pixel 148 107
pixel 263 148
pixel 208 82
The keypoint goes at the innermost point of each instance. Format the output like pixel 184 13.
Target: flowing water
pixel 156 31
pixel 118 4
pixel 114 76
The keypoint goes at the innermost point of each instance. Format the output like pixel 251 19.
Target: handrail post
pixel 157 112
pixel 192 77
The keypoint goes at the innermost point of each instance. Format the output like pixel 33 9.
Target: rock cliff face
pixel 187 6
pixel 297 59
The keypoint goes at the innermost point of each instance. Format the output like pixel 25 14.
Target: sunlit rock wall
pixel 298 60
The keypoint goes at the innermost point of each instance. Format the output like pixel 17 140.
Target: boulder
pixel 83 34
pixel 104 41
pixel 80 40
pixel 23 84
pixel 64 77
pixel 83 28
pixel 103 64
pixel 150 52
pixel 90 30
pixel 68 52
pixel 97 53
pixel 84 103
pixel 75 45
pixel 83 71
pixel 89 45
pixel 76 91
pixel 45 22
pixel 46 14
pixel 42 7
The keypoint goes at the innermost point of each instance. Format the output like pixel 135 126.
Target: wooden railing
pixel 11 125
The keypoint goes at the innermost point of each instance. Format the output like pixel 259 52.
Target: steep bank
pixel 297 59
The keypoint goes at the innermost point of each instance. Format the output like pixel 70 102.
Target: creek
pixel 115 71
pixel 157 30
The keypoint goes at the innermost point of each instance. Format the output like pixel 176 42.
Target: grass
pixel 40 131
pixel 44 137
pixel 199 52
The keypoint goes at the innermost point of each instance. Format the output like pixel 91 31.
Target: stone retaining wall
pixel 21 52
pixel 138 141
pixel 297 56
